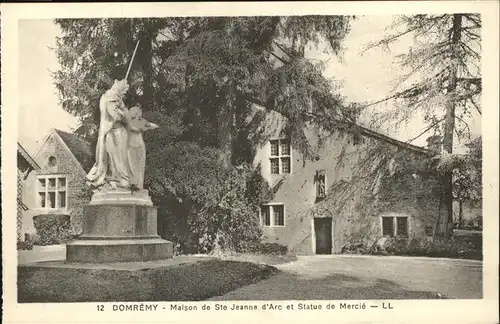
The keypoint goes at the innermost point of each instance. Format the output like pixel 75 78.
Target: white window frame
pixel 395 223
pixel 271 215
pixel 280 156
pixel 56 189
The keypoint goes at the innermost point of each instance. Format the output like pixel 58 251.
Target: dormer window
pixel 280 159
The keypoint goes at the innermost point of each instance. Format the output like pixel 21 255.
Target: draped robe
pixel 136 151
pixel 111 151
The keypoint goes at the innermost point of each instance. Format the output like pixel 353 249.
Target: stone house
pixel 57 186
pixel 355 190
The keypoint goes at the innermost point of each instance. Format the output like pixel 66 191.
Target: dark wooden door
pixel 323 230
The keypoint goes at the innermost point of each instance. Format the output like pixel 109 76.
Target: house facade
pixel 25 165
pixel 354 190
pixel 57 186
pixel 351 192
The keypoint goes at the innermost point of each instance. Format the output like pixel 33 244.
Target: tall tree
pixel 467 178
pixel 443 82
pixel 208 69
pixel 198 78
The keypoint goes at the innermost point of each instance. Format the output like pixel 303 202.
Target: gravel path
pixel 367 277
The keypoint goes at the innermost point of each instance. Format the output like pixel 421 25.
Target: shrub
pixel 52 229
pixel 26 245
pixel 354 248
pixel 203 204
pixel 456 248
pixel 267 248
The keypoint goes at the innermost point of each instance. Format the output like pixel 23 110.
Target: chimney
pixel 434 144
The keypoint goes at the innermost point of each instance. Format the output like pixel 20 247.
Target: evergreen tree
pixel 444 79
pixel 198 77
pixel 203 73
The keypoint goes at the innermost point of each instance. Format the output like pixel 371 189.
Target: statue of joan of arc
pixel 111 151
pixel 120 152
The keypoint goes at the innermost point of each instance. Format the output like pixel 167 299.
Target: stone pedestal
pixel 119 226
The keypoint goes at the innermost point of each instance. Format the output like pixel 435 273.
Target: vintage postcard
pixel 251 162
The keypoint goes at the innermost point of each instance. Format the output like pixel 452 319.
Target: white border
pixel 408 311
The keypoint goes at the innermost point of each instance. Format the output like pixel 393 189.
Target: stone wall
pixel 20 210
pixel 67 165
pixel 365 181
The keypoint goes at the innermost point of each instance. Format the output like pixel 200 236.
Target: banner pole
pixel 132 60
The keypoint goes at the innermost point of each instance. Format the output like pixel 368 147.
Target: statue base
pixel 121 196
pixel 119 226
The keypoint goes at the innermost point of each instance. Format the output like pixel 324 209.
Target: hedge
pixel 26 245
pixel 267 248
pixel 52 229
pixel 455 248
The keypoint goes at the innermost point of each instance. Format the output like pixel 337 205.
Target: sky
pixel 365 78
pixel 39 108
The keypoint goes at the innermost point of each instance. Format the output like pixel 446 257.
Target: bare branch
pixel 417 69
pixel 427 129
pixel 474 19
pixel 470 51
pixel 475 81
pixel 386 41
pixel 284 50
pixel 466 125
pixel 380 101
pixel 475 105
pixel 471 34
pixel 279 58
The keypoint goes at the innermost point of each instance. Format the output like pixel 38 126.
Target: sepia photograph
pixel 228 158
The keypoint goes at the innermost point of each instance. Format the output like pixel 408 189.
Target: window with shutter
pixel 388 226
pixel 402 226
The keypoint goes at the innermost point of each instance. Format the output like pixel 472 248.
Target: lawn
pixel 186 282
pixel 269 259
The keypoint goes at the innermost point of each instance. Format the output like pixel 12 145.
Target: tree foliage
pixel 209 68
pixel 467 185
pixel 442 79
pixel 445 47
pixel 198 78
pixel 203 203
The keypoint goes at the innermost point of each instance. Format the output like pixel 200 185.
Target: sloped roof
pixel 21 152
pixel 274 120
pixel 373 134
pixel 81 149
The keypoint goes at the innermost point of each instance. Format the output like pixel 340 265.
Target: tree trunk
pixel 460 214
pixel 449 125
pixel 226 114
pixel 225 126
pixel 438 218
